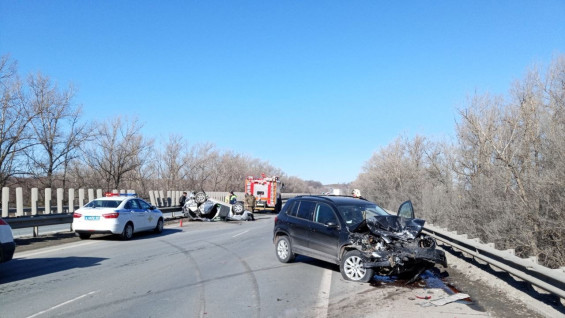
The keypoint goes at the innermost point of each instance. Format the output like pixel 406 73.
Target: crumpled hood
pixel 392 226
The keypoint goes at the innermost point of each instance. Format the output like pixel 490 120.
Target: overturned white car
pixel 198 206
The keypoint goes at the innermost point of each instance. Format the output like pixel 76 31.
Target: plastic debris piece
pixel 449 299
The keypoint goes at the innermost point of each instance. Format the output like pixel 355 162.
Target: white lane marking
pixel 53 249
pixel 324 294
pixel 63 304
pixel 240 233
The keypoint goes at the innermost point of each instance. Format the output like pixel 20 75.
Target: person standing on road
pixel 233 198
pixel 250 202
pixel 182 199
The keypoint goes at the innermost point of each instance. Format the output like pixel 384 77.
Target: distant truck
pixel 266 191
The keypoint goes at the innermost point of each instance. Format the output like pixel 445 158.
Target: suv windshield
pixel 355 214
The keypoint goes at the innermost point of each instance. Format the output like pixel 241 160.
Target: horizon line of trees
pixel 503 177
pixel 45 143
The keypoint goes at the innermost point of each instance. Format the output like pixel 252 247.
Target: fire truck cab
pixel 266 191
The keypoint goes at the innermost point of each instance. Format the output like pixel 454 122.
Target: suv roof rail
pixel 325 196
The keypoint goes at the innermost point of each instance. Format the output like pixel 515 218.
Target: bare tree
pixel 170 163
pixel 15 117
pixel 502 180
pixel 118 151
pixel 57 129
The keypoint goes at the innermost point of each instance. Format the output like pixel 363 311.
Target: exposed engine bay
pixel 394 245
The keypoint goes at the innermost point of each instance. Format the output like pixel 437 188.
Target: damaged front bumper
pixel 394 245
pixel 406 260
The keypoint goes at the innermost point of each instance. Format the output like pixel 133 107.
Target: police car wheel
pixel 159 227
pixel 128 232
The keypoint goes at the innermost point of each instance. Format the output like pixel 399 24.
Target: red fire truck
pixel 266 191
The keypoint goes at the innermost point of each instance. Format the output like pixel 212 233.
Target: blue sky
pixel 313 87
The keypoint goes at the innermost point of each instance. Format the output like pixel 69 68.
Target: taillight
pixel 111 215
pixel 76 215
pixel 2 222
pixel 276 218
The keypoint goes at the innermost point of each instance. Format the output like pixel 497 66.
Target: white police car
pixel 7 245
pixel 122 214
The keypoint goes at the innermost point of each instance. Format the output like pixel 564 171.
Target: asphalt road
pixel 203 269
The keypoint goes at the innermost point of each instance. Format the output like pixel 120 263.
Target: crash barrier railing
pixel 32 218
pixel 65 200
pixel 550 280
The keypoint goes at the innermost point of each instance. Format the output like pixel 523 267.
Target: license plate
pixel 92 218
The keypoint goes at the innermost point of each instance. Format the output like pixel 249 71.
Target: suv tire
pixel 283 249
pixel 351 267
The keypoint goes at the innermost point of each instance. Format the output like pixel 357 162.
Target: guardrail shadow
pixel 523 286
pixel 23 268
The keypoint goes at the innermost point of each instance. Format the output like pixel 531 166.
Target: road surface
pixel 207 269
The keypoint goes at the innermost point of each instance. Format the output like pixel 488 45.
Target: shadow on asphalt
pixel 31 243
pixel 19 269
pixel 136 236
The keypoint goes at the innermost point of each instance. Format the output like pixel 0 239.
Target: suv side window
pixel 291 210
pixel 306 209
pixel 324 214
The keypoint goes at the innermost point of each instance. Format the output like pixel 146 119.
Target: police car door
pixel 151 215
pixel 138 216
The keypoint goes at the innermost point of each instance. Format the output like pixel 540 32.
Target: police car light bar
pixel 112 194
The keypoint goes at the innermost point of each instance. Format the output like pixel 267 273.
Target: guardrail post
pixel 71 200
pixel 162 197
pixel 60 195
pixel 47 201
pixel 19 202
pixel 98 193
pixel 152 197
pixel 80 198
pixel 90 195
pixel 5 202
pixel 34 197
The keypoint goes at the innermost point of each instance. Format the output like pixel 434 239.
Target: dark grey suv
pixel 356 234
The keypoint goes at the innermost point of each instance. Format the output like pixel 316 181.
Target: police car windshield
pixel 103 204
pixel 355 214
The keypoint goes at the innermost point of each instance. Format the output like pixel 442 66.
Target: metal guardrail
pixel 550 280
